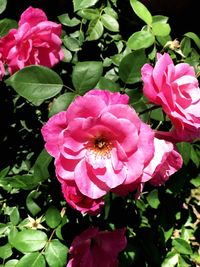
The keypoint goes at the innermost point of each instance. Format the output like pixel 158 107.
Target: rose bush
pixel 176 89
pixel 112 147
pixel 35 42
pixel 94 248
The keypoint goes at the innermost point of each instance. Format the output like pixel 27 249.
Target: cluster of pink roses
pixel 35 42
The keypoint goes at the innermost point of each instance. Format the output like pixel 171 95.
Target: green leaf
pixel 89 13
pixel 31 204
pixel 67 55
pixel 160 18
pixel 29 240
pixel 26 182
pixel 5 251
pixel 11 263
pixel 130 66
pixel 184 149
pixel 196 181
pixel 79 4
pixel 65 20
pixel 161 29
pixel 53 217
pixel 40 167
pixel 71 43
pixel 56 254
pixel 141 11
pixel 194 157
pixel 153 199
pixel 110 23
pixel 194 37
pixel 182 246
pixel 14 216
pixel 36 83
pixel 157 114
pixel 186 46
pixel 108 85
pixel 140 39
pixel 34 259
pixel 6 25
pixel 95 30
pixel 86 75
pixel 61 103
pixel 3 4
pixel 171 260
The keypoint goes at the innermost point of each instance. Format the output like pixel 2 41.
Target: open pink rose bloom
pixel 176 89
pixel 94 248
pixel 101 145
pixel 35 42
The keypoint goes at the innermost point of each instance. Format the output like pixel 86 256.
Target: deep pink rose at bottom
pixel 80 202
pixel 94 248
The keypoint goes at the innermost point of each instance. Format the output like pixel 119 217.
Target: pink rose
pixel 166 161
pixel 36 42
pixel 176 89
pixel 99 143
pixel 2 69
pixel 94 248
pixel 80 202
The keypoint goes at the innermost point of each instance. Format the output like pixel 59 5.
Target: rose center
pixel 100 147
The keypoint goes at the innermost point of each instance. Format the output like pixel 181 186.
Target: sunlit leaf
pixel 34 259
pixel 36 83
pixel 110 23
pixel 29 240
pixel 56 253
pixel 141 11
pixel 79 4
pixel 140 39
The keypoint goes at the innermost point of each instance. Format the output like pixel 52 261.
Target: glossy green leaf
pixel 161 29
pixel 186 46
pixel 5 251
pixel 153 199
pixel 25 182
pixel 32 206
pixel 95 30
pixel 182 246
pixel 11 263
pixel 86 75
pixel 34 259
pixel 3 4
pixel 196 181
pixel 130 66
pixel 56 254
pixel 36 83
pixel 160 18
pixel 171 260
pixel 65 20
pixel 40 167
pixel 194 37
pixel 6 25
pixel 107 85
pixel 79 4
pixel 61 103
pixel 53 217
pixel 184 149
pixel 71 43
pixel 14 216
pixel 140 39
pixel 110 23
pixel 89 13
pixel 29 240
pixel 141 11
